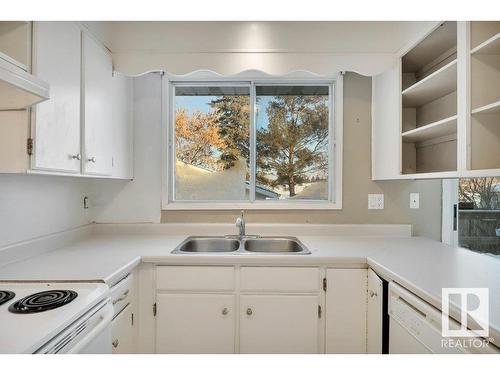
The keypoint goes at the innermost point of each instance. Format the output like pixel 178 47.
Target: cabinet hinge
pixel 324 284
pixel 319 311
pixel 132 319
pixel 154 309
pixel 29 146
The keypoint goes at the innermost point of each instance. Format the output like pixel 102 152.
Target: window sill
pixel 282 205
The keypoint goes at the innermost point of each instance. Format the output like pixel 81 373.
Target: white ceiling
pixel 292 37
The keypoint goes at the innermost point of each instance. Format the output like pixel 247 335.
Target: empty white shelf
pixel 488 47
pixel 13 61
pixel 440 83
pixel 436 129
pixel 489 108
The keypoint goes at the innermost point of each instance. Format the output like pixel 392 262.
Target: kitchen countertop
pixel 421 265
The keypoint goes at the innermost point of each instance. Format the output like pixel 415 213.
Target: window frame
pixel 335 129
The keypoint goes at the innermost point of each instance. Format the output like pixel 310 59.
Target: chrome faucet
pixel 240 223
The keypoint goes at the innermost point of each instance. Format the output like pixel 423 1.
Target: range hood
pixel 19 89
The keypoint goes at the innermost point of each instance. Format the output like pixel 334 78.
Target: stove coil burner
pixel 43 301
pixel 6 295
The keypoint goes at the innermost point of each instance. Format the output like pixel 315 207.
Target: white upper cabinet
pixel 85 128
pixel 122 126
pixel 436 114
pixel 56 122
pixel 97 108
pixel 386 125
pixel 483 158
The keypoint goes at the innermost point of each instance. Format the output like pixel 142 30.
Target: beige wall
pixel 357 182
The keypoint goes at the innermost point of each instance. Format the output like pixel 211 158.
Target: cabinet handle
pixel 122 297
pixel 115 343
pixel 372 294
pixel 249 311
pixel 76 157
pixel 92 159
pixel 225 311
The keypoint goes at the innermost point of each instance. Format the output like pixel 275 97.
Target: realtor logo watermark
pixel 474 308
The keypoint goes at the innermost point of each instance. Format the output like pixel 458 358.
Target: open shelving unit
pixel 438 129
pixel 432 87
pixel 489 108
pixel 429 104
pixel 485 95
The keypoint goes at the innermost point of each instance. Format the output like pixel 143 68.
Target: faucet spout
pixel 240 223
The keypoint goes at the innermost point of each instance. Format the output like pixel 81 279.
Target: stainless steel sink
pixel 275 245
pixel 207 245
pixel 241 245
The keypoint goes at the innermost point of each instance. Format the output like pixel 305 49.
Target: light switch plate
pixel 375 201
pixel 414 200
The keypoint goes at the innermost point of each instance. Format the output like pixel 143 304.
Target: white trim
pixel 251 78
pixel 252 154
pixel 337 150
pixel 165 158
pixel 257 205
pixel 449 199
pixel 248 75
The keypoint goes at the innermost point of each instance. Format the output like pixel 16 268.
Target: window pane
pixel 479 214
pixel 292 142
pixel 212 143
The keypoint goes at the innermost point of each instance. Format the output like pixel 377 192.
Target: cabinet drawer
pixel 195 278
pixel 286 279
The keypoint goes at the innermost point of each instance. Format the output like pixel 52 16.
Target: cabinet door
pixel 374 314
pixel 346 311
pixel 97 99
pixel 56 126
pixel 386 128
pixel 279 324
pixel 195 323
pixel 122 126
pixel 123 332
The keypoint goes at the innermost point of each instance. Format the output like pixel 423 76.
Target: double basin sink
pixel 242 245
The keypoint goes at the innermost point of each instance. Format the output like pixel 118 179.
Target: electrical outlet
pixel 414 200
pixel 375 201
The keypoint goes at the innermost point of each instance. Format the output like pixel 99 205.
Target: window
pixel 474 220
pixel 252 145
pixel 212 143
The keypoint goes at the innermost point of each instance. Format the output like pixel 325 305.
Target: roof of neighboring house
pixel 263 191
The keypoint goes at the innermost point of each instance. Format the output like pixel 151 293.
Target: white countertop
pixel 421 265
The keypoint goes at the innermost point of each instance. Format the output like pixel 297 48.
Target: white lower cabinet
pixel 374 314
pixel 122 328
pixel 221 309
pixel 195 323
pixel 346 308
pixel 279 324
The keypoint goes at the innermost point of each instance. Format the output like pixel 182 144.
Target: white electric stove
pixel 55 317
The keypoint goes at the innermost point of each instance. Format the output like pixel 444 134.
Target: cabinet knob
pixel 115 343
pixel 249 311
pixel 372 294
pixel 92 159
pixel 225 311
pixel 76 157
